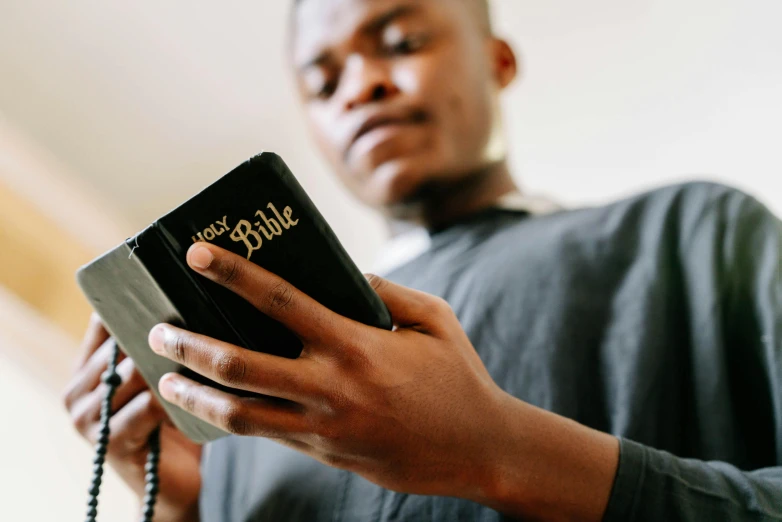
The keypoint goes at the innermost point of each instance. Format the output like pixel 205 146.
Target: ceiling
pixel 149 101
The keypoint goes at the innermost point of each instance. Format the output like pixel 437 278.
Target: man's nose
pixel 366 80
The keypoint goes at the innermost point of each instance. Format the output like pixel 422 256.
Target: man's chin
pixel 394 183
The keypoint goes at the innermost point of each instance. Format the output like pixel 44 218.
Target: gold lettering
pixel 287 213
pixel 261 229
pixel 279 217
pixel 242 232
pixel 271 224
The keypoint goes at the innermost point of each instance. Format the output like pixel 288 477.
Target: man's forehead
pixel 316 23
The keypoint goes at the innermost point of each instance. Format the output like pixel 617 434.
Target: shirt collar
pixel 408 245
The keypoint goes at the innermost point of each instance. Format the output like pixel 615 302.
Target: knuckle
pixel 68 397
pixel 441 305
pixel 126 367
pixel 326 431
pixel 331 403
pixel 230 273
pixel 95 319
pixel 335 460
pixel 151 408
pixel 91 434
pixel 344 347
pixel 376 282
pixel 187 400
pixel 354 352
pixel 82 422
pixel 234 419
pixel 129 443
pixel 148 403
pixel 136 380
pixel 281 296
pixel 125 440
pixel 179 348
pixel 230 368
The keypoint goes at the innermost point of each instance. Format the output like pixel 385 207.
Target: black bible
pixel 259 211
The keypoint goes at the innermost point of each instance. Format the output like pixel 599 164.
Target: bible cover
pixel 259 211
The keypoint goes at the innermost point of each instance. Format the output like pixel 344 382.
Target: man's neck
pixel 445 204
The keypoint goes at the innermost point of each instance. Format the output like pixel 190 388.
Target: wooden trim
pixel 37 177
pixel 38 262
pixel 50 224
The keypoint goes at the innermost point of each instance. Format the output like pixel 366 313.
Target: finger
pixel 298 445
pixel 292 379
pixel 409 308
pixel 269 293
pixel 87 378
pixel 132 424
pixel 131 384
pixel 86 411
pixel 95 335
pixel 238 415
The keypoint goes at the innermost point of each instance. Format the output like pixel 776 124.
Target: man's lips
pixel 384 121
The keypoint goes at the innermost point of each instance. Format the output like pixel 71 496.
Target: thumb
pixel 409 308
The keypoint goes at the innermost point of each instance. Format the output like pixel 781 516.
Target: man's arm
pixel 560 470
pixel 653 485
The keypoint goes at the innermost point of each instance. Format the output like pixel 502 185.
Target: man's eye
pixel 327 90
pixel 407 45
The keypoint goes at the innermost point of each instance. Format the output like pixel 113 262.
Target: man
pixel 616 363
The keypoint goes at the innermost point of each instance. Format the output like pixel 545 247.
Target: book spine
pixel 124 291
pixel 177 280
pixel 377 314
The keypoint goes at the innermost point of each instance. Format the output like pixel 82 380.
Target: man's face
pixel 400 94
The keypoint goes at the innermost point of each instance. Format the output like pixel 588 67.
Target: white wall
pixel 619 96
pixel 45 467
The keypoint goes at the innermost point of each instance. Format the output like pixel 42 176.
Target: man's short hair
pixel 481 8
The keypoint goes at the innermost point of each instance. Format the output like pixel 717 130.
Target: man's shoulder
pixel 661 217
pixel 698 196
pixel 683 207
pixel 702 193
pixel 665 217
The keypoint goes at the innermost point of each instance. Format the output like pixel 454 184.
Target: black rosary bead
pixel 112 380
pixel 151 477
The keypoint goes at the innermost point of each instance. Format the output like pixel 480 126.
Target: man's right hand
pixel 136 413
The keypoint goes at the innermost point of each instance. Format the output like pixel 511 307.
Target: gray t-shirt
pixel 657 319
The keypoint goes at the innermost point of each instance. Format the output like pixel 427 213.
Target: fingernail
pixel 157 339
pixel 200 257
pixel 167 386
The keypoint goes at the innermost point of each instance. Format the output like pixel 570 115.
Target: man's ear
pixel 505 64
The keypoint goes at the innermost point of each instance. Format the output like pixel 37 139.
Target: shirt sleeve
pixel 654 485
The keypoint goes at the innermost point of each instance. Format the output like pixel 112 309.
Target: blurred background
pixel 111 113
